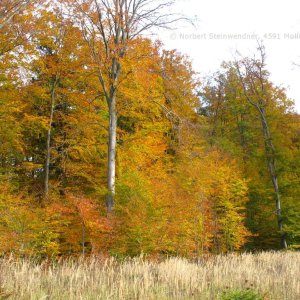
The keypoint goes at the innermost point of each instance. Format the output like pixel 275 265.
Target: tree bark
pixel 111 164
pixel 112 134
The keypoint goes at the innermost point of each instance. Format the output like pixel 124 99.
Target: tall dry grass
pixel 276 275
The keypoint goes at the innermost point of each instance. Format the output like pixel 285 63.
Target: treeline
pixel 110 144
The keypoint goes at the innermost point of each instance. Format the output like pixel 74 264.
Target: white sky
pixel 278 19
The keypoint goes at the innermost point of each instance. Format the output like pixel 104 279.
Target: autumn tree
pixel 246 114
pixel 253 77
pixel 61 111
pixel 109 27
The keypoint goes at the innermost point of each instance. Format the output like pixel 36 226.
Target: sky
pixel 211 39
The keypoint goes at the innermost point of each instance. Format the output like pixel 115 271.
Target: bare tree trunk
pixel 112 134
pixel 111 164
pixel 48 144
pixel 270 154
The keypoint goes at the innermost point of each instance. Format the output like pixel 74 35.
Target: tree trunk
pixel 111 164
pixel 83 238
pixel 112 135
pixel 48 144
pixel 270 154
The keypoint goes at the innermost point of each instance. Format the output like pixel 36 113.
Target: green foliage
pixel 235 127
pixel 242 295
pixel 46 244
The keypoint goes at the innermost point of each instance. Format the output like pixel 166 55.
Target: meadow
pixel 270 275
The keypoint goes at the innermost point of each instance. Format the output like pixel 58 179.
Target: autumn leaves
pixel 95 119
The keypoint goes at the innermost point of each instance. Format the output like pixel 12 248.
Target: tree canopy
pixel 111 144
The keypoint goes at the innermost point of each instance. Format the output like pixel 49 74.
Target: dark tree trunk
pixel 48 143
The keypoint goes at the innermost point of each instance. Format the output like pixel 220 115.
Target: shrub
pixel 242 295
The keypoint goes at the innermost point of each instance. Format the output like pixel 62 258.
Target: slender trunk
pixel 112 135
pixel 83 238
pixel 48 144
pixel 270 154
pixel 111 165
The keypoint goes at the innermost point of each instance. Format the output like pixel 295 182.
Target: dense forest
pixel 111 144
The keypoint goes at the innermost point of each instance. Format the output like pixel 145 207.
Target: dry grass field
pixel 274 276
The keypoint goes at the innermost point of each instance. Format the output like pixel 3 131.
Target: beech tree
pixel 109 27
pixel 253 77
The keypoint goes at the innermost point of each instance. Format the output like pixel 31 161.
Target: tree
pixel 60 115
pixel 50 71
pixel 109 27
pixel 253 77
